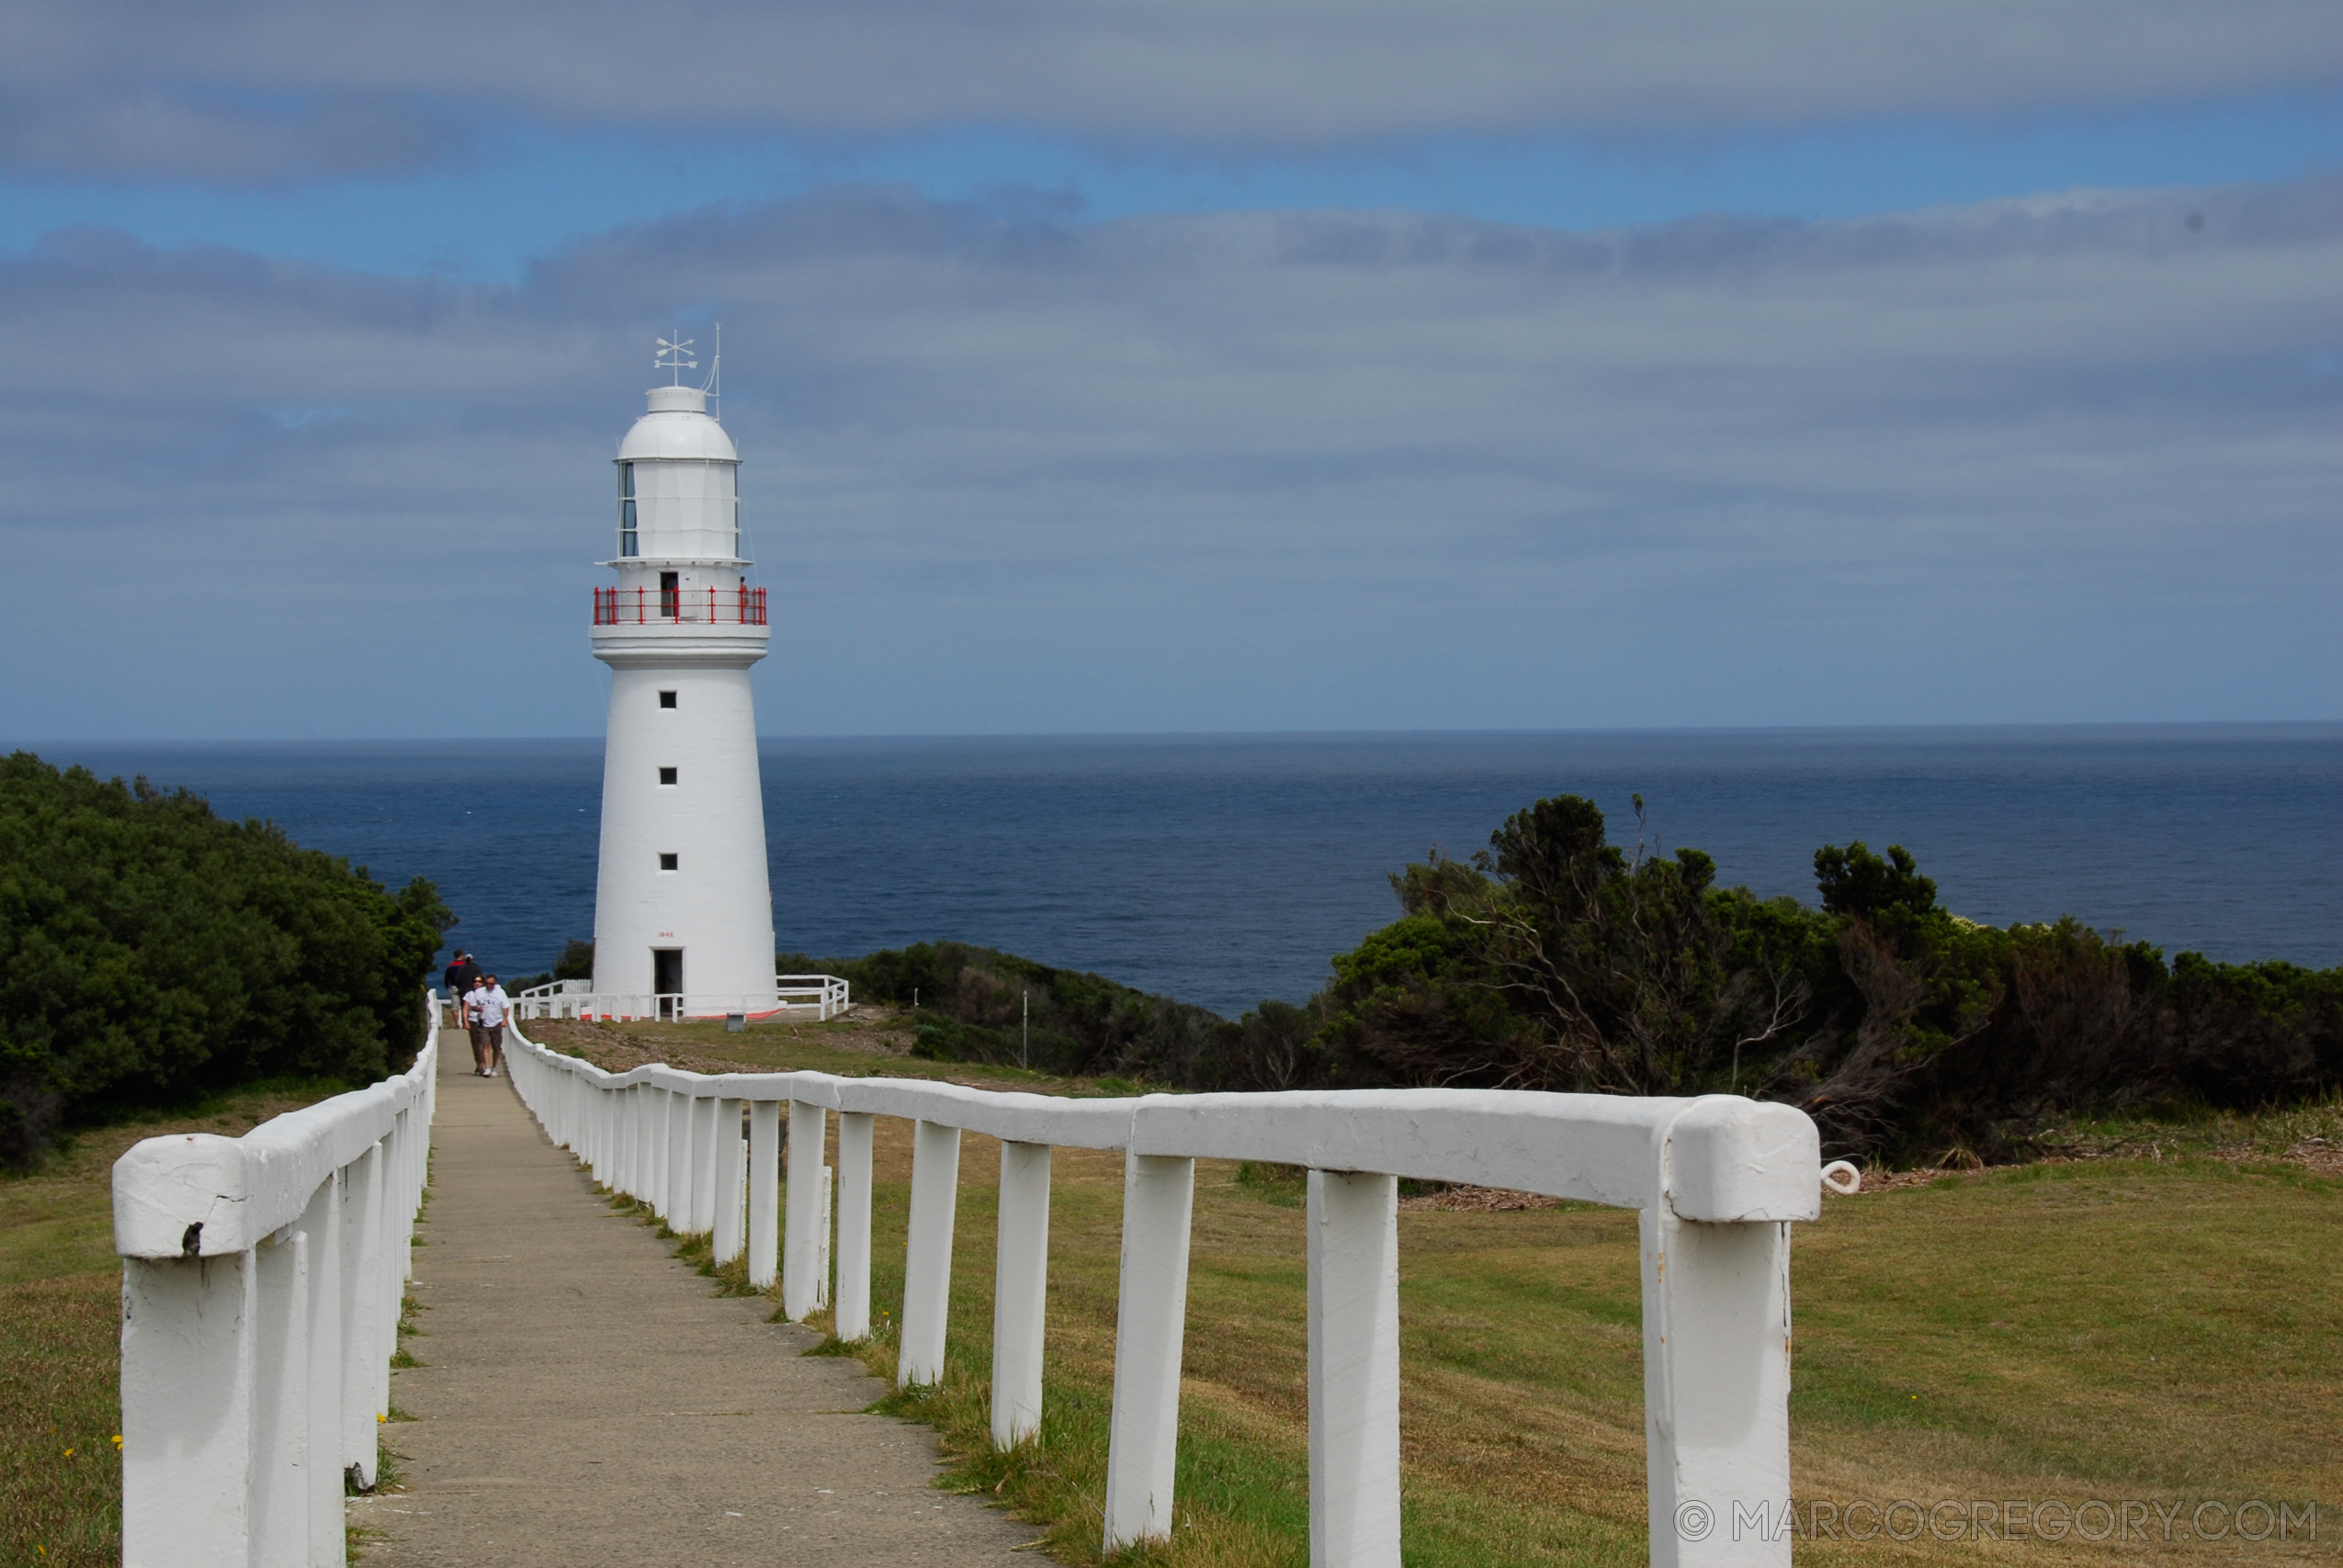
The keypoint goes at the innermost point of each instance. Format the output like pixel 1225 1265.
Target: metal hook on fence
pixel 1842 1177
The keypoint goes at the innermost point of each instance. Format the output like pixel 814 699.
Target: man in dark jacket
pixel 461 976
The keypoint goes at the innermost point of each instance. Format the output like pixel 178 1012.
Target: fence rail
pixel 827 994
pixel 1717 1182
pixel 261 1286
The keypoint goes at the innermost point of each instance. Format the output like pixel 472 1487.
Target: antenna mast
pixel 715 387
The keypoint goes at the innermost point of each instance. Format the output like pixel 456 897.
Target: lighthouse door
pixel 667 979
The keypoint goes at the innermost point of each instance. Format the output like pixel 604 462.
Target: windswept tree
pixel 1557 960
pixel 1918 993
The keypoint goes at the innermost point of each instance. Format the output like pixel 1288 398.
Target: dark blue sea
pixel 1224 869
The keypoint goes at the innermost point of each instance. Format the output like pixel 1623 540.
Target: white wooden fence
pixel 827 995
pixel 261 1284
pixel 1717 1180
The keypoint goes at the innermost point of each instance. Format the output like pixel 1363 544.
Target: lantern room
pixel 678 485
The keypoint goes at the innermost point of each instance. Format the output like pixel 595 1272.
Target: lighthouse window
pixel 667 699
pixel 671 593
pixel 666 775
pixel 627 535
pixel 666 862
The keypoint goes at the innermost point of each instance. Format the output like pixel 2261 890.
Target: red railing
pixel 692 606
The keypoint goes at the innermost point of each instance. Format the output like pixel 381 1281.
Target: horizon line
pixel 1522 731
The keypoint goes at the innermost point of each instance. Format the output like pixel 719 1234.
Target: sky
pixel 1140 366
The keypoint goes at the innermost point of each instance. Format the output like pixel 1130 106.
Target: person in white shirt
pixel 495 1006
pixel 482 1059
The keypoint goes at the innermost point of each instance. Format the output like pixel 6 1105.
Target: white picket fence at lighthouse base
pixel 1717 1182
pixel 261 1284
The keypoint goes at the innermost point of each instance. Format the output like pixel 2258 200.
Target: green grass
pixel 2170 1325
pixel 2161 1326
pixel 61 1476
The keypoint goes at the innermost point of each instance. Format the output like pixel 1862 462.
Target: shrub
pixel 150 950
pixel 1557 960
pixel 972 1003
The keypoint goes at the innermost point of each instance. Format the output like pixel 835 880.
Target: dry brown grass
pixel 870 1031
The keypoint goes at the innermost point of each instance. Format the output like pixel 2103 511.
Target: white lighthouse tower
pixel 683 907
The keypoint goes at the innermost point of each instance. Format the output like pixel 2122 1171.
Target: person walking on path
pixel 473 999
pixel 461 976
pixel 495 1006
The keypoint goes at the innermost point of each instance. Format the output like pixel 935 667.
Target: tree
pixel 149 950
pixel 1891 895
pixel 1557 960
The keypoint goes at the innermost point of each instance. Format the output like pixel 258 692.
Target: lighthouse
pixel 683 907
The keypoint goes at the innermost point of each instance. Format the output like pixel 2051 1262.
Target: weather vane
pixel 675 354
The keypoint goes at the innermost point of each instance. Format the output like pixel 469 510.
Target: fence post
pixel 637 1181
pixel 853 1225
pixel 613 1135
pixel 187 1355
pixel 654 1170
pixel 588 1112
pixel 654 1173
pixel 1020 1292
pixel 801 1231
pixel 412 1148
pixel 821 1240
pixel 616 1127
pixel 658 1114
pixel 730 1190
pixel 1159 1196
pixel 1717 1390
pixel 622 1140
pixel 679 1163
pixel 361 1336
pixel 605 1135
pixel 323 1223
pixel 280 1447
pixel 651 1155
pixel 704 1162
pixel 389 1278
pixel 765 1183
pixel 927 1252
pixel 1353 1224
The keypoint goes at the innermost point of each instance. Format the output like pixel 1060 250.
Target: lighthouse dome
pixel 677 427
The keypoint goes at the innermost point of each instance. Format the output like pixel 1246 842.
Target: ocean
pixel 1224 869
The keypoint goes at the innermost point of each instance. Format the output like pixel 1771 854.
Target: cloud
pixel 1213 76
pixel 2068 457
pixel 155 133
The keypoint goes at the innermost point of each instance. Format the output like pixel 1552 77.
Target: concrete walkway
pixel 585 1399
